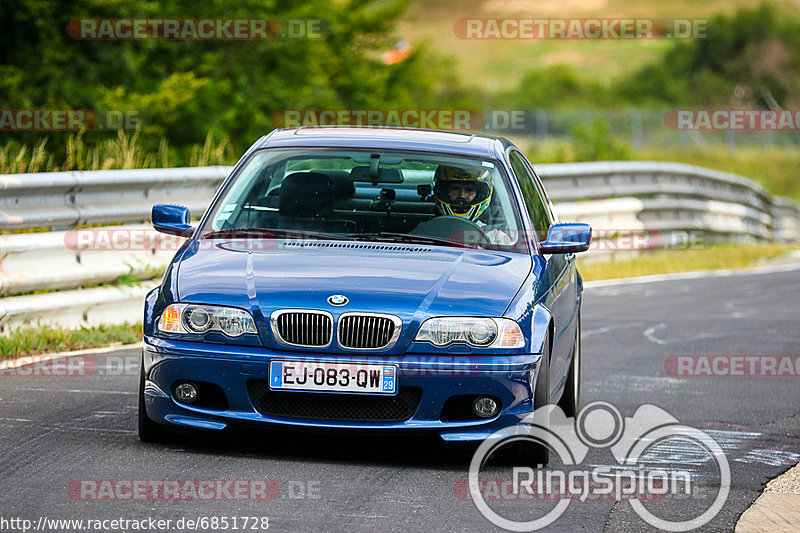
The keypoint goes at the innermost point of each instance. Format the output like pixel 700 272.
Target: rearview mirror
pixel 382 175
pixel 172 220
pixel 567 238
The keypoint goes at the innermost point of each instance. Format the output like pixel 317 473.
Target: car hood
pixel 410 281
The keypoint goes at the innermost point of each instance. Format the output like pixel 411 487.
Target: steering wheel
pixel 459 229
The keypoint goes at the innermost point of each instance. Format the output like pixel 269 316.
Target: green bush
pixel 593 141
pixel 185 89
pixel 749 59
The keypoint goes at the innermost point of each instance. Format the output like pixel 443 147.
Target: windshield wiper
pixel 272 233
pixel 405 237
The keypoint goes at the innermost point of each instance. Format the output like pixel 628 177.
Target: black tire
pixel 570 401
pixel 149 431
pixel 529 452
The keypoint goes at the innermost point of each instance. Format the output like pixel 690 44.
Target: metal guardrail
pixel 77 258
pixel 675 197
pixel 61 200
pixel 76 308
pixel 649 196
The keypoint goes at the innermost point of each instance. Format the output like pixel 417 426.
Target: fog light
pixel 186 392
pixel 485 407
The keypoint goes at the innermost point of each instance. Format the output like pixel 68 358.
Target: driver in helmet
pixel 467 193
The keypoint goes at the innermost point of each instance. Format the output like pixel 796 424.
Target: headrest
pixel 306 195
pixel 343 186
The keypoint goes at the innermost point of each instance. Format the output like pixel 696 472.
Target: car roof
pixel 450 141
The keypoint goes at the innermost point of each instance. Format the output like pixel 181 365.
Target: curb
pixel 778 507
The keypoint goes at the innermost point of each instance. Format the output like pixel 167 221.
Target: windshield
pixel 369 195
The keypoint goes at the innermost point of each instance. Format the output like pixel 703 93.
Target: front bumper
pixel 511 379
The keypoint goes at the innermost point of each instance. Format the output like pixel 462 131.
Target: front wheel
pixel 149 431
pixel 570 401
pixel 527 451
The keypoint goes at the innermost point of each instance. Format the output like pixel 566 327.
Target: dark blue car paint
pixel 541 293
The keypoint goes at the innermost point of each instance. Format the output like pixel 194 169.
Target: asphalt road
pixel 58 432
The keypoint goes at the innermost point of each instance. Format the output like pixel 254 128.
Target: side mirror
pixel 567 238
pixel 172 220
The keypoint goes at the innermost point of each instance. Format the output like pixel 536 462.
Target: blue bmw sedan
pixel 366 279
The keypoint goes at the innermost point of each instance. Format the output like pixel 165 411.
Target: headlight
pixel 192 318
pixel 480 332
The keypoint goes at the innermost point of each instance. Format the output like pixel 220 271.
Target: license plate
pixel 333 377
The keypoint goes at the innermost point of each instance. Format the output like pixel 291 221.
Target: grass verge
pixel 31 340
pixel 716 257
pixel 501 63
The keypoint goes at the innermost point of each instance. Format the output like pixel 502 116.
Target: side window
pixel 548 202
pixel 537 209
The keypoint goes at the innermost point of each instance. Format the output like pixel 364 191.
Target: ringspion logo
pixel 630 441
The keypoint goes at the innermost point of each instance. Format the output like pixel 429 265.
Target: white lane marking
pixel 739 308
pixel 606 329
pixel 78 428
pixel 766 269
pixel 34 389
pixel 640 384
pixel 40 358
pixel 64 427
pixel 668 380
pixel 649 334
pixel 728 334
pixel 686 453
pixel 95 415
pixel 770 457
